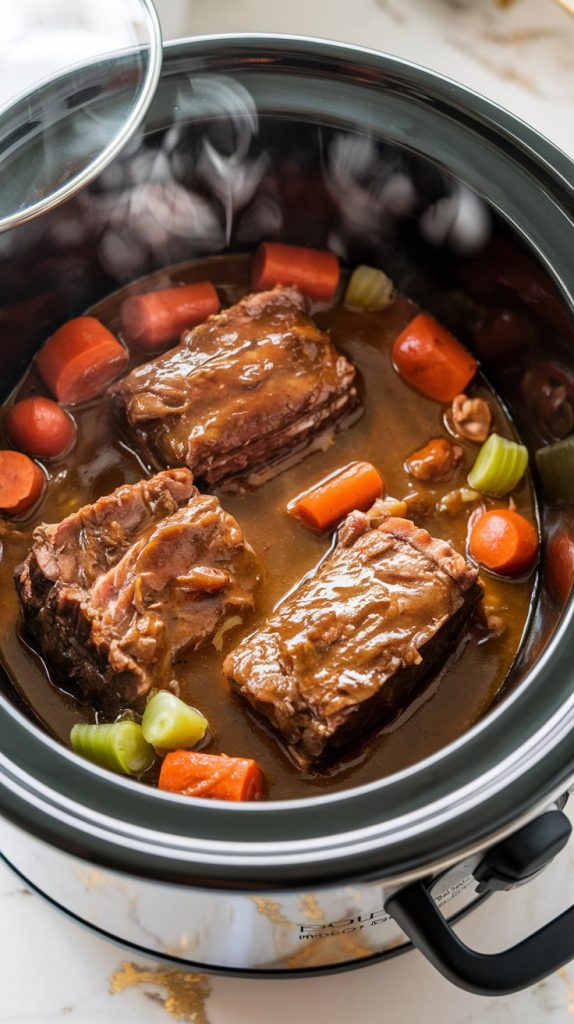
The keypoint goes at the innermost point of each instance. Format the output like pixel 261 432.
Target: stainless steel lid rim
pixel 108 819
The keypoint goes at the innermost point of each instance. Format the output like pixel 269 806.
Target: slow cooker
pixel 259 137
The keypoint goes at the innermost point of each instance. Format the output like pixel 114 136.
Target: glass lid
pixel 77 79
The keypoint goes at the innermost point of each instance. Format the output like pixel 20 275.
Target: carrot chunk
pixel 356 486
pixel 80 359
pixel 21 482
pixel 151 321
pixel 40 427
pixel 314 271
pixel 428 356
pixel 213 776
pixel 504 541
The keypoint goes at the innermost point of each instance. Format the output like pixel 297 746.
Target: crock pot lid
pixel 78 79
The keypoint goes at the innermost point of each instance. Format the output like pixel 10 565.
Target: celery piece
pixel 119 746
pixel 555 464
pixel 369 289
pixel 171 724
pixel 499 465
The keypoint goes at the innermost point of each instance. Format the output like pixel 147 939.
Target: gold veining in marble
pixel 310 908
pixel 182 946
pixel 527 45
pixel 566 5
pixel 517 36
pixel 185 991
pixel 507 71
pixel 563 974
pixel 271 909
pixel 91 878
pixel 330 949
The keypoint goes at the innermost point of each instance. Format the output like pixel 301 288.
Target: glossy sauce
pixel 395 421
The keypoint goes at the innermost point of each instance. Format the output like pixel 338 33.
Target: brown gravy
pixel 395 422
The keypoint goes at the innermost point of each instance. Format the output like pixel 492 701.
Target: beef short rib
pixel 248 386
pixel 354 643
pixel 115 592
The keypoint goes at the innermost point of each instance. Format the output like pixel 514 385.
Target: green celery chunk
pixel 171 724
pixel 499 465
pixel 369 289
pixel 119 746
pixel 555 464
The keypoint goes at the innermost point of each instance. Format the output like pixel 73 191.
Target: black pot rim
pixel 420 816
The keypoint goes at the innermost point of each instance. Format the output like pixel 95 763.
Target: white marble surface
pixel 521 55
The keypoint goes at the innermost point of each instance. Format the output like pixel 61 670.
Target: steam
pixel 460 221
pixel 263 219
pixel 369 192
pixel 219 177
pixel 160 218
pixel 233 179
pixel 232 176
pixel 187 190
pixel 373 191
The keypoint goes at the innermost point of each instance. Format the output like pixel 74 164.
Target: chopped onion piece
pixel 455 501
pixel 230 623
pixel 119 746
pixel 499 465
pixel 388 506
pixel 556 467
pixel 170 724
pixel 369 289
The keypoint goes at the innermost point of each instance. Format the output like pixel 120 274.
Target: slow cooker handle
pixel 490 974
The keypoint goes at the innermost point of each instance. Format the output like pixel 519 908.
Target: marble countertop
pixel 519 54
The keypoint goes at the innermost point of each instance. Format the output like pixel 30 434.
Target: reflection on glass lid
pixel 77 80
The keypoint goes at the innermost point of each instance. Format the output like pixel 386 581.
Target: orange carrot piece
pixel 212 776
pixel 356 486
pixel 314 271
pixel 504 541
pixel 151 321
pixel 80 359
pixel 40 427
pixel 428 356
pixel 21 482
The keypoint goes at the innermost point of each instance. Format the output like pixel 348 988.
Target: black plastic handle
pixel 486 974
